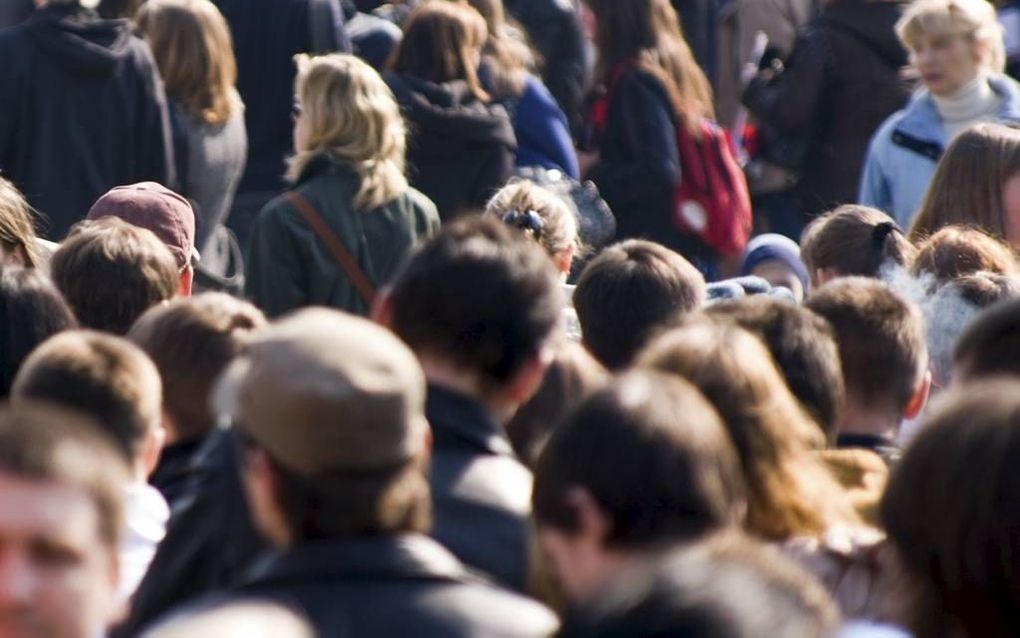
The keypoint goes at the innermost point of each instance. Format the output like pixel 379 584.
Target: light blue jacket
pixel 903 152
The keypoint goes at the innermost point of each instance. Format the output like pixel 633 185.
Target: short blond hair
pixel 971 19
pixel 349 113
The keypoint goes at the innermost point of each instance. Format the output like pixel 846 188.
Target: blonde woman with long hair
pixel 350 195
pixel 194 51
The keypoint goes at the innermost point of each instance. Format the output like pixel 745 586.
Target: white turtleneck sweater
pixel 972 103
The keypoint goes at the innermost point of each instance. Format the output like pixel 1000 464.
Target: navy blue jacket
pixel 82 109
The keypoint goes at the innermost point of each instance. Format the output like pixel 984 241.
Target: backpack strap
pixel 336 247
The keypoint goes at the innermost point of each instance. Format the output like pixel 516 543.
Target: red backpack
pixel 711 200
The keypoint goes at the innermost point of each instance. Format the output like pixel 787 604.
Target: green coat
pixel 289 267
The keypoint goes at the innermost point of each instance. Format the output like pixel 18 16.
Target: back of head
pixel 802 345
pixel 990 344
pixel 853 240
pixel 951 514
pixel 191 340
pixel 17 233
pixel 556 229
pixel 102 376
pixel 347 111
pixel 31 311
pixel 653 455
pixel 727 587
pixel 110 272
pixel 571 377
pixel 47 444
pixel 967 187
pixel 881 341
pixel 479 297
pixel 440 44
pixel 957 251
pixel 789 492
pixel 336 403
pixel 630 291
pixel 191 42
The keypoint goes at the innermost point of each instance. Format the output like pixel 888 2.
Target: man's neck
pixel 857 419
pixel 441 372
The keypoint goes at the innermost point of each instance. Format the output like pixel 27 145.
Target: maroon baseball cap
pixel 157 208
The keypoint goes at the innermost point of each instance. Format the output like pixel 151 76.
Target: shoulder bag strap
pixel 336 247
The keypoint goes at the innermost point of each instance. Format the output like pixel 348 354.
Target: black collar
pixel 382 557
pixel 458 420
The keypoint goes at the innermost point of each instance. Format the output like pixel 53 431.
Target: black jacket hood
pixel 79 40
pixel 451 110
pixel 872 22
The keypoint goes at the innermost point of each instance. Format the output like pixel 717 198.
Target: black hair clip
pixel 527 220
pixel 881 232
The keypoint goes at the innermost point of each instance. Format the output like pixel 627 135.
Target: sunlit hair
pixel 968 182
pixel 974 20
pixel 647 32
pixel 507 54
pixel 854 240
pixel 440 44
pixel 16 229
pixel 348 112
pixel 789 492
pixel 958 251
pixel 191 42
pixel 558 230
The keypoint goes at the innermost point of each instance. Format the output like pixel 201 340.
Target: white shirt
pixel 145 517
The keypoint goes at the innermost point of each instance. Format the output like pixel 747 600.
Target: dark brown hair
pixel 952 514
pixel 648 33
pixel 990 344
pixel 479 296
pixel 854 240
pixel 439 42
pixel 110 272
pixel 102 376
pixel 191 340
pixel 630 291
pixel 881 340
pixel 44 443
pixel 955 251
pixel 654 456
pixel 802 345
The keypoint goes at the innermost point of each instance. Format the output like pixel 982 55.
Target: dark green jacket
pixel 289 266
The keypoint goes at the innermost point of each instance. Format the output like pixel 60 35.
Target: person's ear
pixel 154 443
pixel 262 490
pixel 528 377
pixel 822 276
pixel 381 311
pixel 187 279
pixel 920 397
pixel 980 50
pixel 592 523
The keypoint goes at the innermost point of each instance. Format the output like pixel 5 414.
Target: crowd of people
pixel 323 318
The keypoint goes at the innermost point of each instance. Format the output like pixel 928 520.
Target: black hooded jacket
pixel 460 150
pixel 82 109
pixel 842 80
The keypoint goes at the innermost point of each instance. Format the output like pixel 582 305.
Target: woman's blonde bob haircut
pixel 349 113
pixel 17 232
pixel 191 42
pixel 974 20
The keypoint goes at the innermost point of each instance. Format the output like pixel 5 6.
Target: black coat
pixel 82 109
pixel 639 163
pixel 14 11
pixel 842 80
pixel 460 150
pixel 481 493
pixel 210 540
pixel 554 29
pixel 384 586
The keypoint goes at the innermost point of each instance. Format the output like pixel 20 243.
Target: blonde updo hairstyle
pixel 559 230
pixel 348 112
pixel 974 20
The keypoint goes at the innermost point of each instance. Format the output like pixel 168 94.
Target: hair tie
pixel 525 220
pixel 881 232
